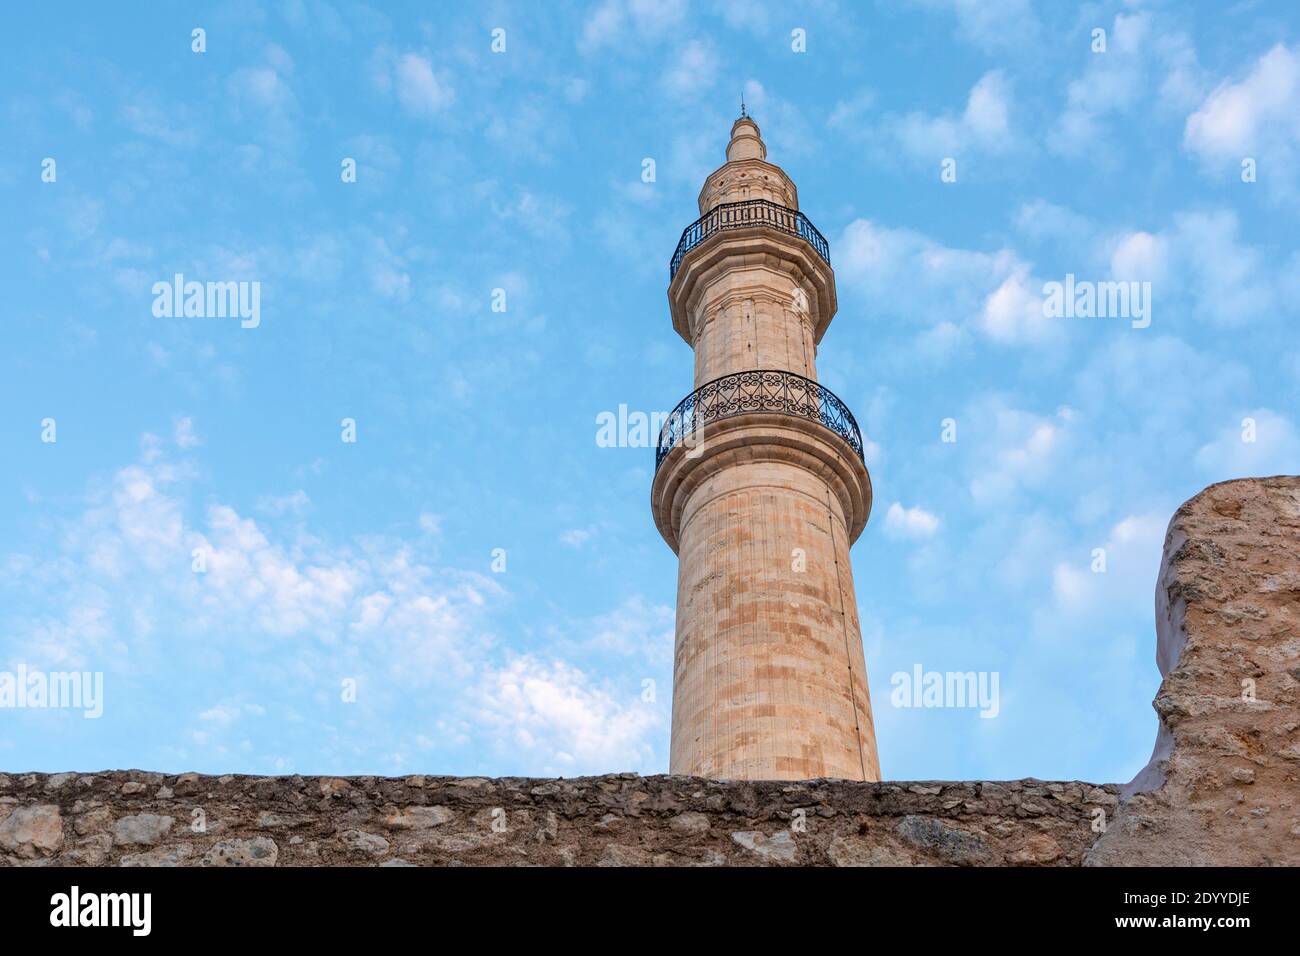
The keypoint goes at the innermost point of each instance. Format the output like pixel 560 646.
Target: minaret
pixel 760 488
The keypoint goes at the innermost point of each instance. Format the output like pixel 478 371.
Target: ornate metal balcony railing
pixel 748 212
pixel 764 390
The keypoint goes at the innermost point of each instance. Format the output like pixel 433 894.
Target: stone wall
pixel 1222 786
pixel 131 818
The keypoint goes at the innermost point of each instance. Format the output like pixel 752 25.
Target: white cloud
pixel 1111 82
pixel 1202 260
pixel 1131 556
pixel 1040 219
pixel 263 86
pixel 419 89
pixel 612 22
pixel 852 112
pixel 1229 279
pixel 422 91
pixel 542 216
pixel 577 537
pixel 1139 256
pixel 751 15
pixel 1257 117
pixel 603 26
pixel 879 257
pixel 993 293
pixel 1019 448
pixel 283 595
pixel 983 125
pixel 161 124
pixel 872 453
pixel 1013 312
pixel 553 714
pixel 634 629
pixel 183 433
pixel 992 25
pixel 986 108
pixel 1147 63
pixel 137 542
pixel 914 522
pixel 1237 118
pixel 692 70
pixel 229 711
pixel 139 524
pixel 1275 449
pixel 265 89
pixel 295 503
pixel 388 271
pixel 1199 267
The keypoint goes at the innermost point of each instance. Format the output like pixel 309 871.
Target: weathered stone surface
pixel 1227 637
pixel 364 842
pixel 32 831
pixel 418 818
pixel 59 780
pixel 848 851
pixel 616 820
pixel 91 851
pixel 1038 849
pixel 162 856
pixel 145 829
pixel 693 824
pixel 617 855
pixel 778 848
pixel 950 844
pixel 93 821
pixel 259 851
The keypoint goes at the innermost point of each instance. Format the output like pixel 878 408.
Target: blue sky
pixel 372 561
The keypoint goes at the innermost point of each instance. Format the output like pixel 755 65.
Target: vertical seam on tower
pixel 844 623
pixel 758 544
pixel 803 343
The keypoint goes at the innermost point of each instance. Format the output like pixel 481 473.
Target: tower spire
pixel 746 140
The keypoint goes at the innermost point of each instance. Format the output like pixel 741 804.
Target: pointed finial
pixel 742 104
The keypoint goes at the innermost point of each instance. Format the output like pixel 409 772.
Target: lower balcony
pixel 762 390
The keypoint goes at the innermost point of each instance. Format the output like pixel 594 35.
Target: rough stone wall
pixel 132 818
pixel 1222 787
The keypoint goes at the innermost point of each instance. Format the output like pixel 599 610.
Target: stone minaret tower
pixel 760 488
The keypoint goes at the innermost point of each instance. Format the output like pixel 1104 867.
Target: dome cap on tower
pixel 746 140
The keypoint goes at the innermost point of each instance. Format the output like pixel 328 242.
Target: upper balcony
pixel 746 214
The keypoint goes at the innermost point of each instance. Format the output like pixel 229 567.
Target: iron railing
pixel 764 390
pixel 748 212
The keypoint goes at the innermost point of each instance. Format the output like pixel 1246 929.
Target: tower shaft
pixel 760 487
